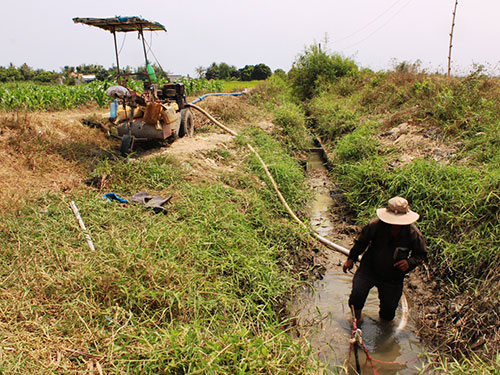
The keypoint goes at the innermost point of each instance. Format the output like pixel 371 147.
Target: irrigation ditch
pixel 320 310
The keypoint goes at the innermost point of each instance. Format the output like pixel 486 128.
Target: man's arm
pixel 360 244
pixel 418 249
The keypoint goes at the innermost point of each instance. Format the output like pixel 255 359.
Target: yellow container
pixel 169 114
pixel 152 113
pixel 124 114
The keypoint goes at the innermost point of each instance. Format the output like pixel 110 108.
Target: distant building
pixel 82 78
pixel 175 77
pixel 88 77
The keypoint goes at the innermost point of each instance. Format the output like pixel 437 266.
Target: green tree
pixel 280 73
pixel 41 75
pixel 26 71
pixel 212 71
pixel 200 71
pixel 221 71
pixel 261 72
pixel 246 73
pixel 10 74
pixel 224 71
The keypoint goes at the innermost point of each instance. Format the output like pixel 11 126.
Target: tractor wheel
pixel 126 145
pixel 187 123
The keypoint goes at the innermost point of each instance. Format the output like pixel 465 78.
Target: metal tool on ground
pixel 155 202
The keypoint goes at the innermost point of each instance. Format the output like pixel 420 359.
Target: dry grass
pixel 459 324
pixel 234 110
pixel 45 152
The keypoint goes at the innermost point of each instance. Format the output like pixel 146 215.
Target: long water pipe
pixel 320 238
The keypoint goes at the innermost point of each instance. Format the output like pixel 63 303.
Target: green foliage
pixel 364 183
pixel 280 72
pixel 285 170
pixel 290 118
pixel 460 214
pixel 458 199
pixel 261 72
pixel 31 97
pixel 36 97
pixel 201 86
pixel 221 71
pixel 246 73
pixel 463 107
pixel 314 67
pixel 359 144
pixel 408 67
pixel 474 365
pixel 10 74
pixel 257 72
pixel 273 92
pixel 229 86
pixel 200 289
pixel 459 206
pixel 331 117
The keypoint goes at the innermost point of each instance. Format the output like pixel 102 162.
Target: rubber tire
pixel 126 145
pixel 186 128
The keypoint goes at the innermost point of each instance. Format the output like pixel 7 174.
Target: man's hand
pixel 402 265
pixel 347 265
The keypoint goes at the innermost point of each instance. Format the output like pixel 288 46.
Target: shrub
pixel 359 144
pixel 273 92
pixel 314 68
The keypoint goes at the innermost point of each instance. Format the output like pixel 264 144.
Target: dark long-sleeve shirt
pixel 379 246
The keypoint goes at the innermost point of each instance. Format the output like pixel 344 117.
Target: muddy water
pixel 322 310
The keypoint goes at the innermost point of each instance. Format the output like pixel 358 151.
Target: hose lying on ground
pixel 320 238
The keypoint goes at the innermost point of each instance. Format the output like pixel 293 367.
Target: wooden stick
pixel 451 37
pixel 82 225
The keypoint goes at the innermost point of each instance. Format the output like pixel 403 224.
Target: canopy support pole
pixel 117 60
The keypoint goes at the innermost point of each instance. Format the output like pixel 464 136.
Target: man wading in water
pixel 394 246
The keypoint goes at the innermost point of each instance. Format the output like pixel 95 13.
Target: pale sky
pixel 372 32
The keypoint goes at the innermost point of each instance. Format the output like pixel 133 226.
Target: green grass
pixel 473 366
pixel 229 86
pixel 201 289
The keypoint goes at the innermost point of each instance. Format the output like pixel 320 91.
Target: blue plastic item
pixel 113 197
pixel 200 98
pixel 113 109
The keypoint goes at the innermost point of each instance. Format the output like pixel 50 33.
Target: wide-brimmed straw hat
pixel 397 212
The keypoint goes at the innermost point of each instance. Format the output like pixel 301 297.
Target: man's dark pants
pixel 389 293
